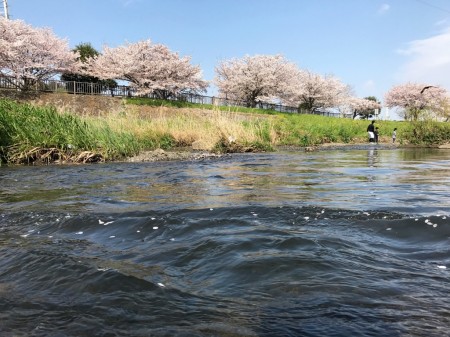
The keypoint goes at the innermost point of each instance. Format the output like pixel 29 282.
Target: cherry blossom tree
pixel 363 107
pixel 416 100
pixel 446 110
pixel 84 52
pixel 254 79
pixel 77 81
pixel 314 91
pixel 149 68
pixel 29 55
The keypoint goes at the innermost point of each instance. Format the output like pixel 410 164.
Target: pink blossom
pixel 314 91
pixel 361 106
pixel 29 55
pixel 416 98
pixel 149 68
pixel 253 79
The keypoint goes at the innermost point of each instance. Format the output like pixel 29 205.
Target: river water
pixel 328 243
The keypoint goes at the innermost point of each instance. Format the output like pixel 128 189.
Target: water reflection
pixel 395 178
pixel 372 157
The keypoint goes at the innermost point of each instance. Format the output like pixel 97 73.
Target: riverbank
pixel 192 155
pixel 176 155
pixel 33 134
pixel 188 154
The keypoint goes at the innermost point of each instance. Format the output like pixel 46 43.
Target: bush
pixel 428 133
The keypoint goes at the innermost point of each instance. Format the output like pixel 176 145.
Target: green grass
pixel 310 130
pixel 183 104
pixel 29 133
pixel 428 133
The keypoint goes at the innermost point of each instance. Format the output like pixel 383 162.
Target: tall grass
pixel 310 130
pixel 195 128
pixel 428 132
pixel 29 133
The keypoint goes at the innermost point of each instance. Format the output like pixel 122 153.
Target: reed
pixel 29 133
pixel 197 128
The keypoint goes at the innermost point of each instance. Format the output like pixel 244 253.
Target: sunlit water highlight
pixel 329 243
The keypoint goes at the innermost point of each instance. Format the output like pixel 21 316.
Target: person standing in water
pixel 371 132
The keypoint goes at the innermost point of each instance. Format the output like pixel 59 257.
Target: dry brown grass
pixel 201 129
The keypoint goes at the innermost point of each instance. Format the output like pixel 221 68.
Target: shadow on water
pixel 333 243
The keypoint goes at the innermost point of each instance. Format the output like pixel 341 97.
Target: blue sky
pixel 368 44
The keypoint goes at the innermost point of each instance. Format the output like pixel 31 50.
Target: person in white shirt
pixel 394 135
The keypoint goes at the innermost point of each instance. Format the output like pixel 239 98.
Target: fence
pixel 84 88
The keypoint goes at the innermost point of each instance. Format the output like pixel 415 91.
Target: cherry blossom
pixel 29 55
pixel 314 91
pixel 149 68
pixel 361 106
pixel 416 99
pixel 254 79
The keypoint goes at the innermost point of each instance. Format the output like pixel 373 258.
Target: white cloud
pixel 384 8
pixel 428 60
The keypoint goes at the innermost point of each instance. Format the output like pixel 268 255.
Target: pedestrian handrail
pixel 91 88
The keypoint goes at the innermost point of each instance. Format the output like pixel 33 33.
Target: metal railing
pixel 85 88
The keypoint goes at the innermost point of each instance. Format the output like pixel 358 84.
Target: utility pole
pixel 5 9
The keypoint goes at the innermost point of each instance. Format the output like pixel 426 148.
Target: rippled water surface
pixel 329 243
